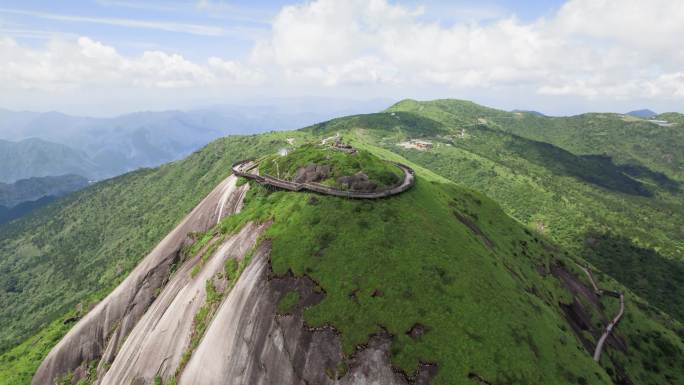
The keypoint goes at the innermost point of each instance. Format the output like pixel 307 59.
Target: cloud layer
pixel 86 63
pixel 592 49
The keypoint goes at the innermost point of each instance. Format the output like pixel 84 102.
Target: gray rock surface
pixel 248 343
pixel 312 173
pixel 100 334
pixel 159 339
pixel 358 182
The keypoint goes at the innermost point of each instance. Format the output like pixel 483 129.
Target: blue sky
pixel 558 56
pixel 231 26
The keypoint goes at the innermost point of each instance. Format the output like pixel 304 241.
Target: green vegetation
pixel 19 363
pixel 627 140
pixel 200 323
pixel 78 249
pixel 443 256
pixel 288 303
pixel 450 260
pixel 204 315
pixel 629 186
pixel 342 164
pixel 21 197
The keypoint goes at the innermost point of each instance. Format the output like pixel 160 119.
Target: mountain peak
pixel 643 113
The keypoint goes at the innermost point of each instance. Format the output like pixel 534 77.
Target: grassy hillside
pixel 482 287
pixel 629 141
pixel 59 260
pixel 486 291
pixel 585 202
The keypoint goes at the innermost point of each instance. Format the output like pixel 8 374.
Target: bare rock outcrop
pixel 312 173
pixel 249 343
pixel 358 182
pixel 100 334
pixel 156 344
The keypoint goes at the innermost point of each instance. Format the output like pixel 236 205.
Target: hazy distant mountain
pixel 12 194
pixel 643 114
pixel 8 214
pixel 36 157
pixel 23 196
pixel 105 147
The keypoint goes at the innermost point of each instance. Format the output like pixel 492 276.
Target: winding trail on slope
pixel 609 328
pixel 244 168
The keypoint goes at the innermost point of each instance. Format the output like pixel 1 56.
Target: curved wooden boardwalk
pixel 244 167
pixel 609 328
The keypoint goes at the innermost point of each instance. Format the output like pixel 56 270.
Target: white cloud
pixel 87 63
pixel 589 49
pixel 234 73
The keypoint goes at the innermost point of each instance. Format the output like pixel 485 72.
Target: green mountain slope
pixel 629 141
pixel 585 202
pixel 77 250
pixel 487 291
pixel 441 268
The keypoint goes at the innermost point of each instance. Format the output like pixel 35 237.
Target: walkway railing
pixel 244 167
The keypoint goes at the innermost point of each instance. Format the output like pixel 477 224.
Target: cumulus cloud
pixel 620 49
pixel 590 48
pixel 85 62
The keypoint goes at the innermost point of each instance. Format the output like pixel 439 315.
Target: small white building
pixel 416 144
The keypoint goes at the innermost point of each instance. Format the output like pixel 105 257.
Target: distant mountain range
pixel 8 214
pixel 36 188
pixel 25 195
pixel 38 158
pixel 643 114
pixel 53 143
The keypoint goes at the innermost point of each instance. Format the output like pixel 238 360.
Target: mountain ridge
pixel 643 113
pixel 34 157
pixel 469 227
pixel 543 273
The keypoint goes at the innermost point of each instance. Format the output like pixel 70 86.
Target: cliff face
pixel 250 343
pixel 157 342
pixel 100 335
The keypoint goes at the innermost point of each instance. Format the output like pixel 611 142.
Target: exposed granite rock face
pixel 248 343
pixel 158 341
pixel 358 182
pixel 312 173
pixel 100 334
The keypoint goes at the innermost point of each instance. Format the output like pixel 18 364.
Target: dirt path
pixel 609 328
pixel 244 169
